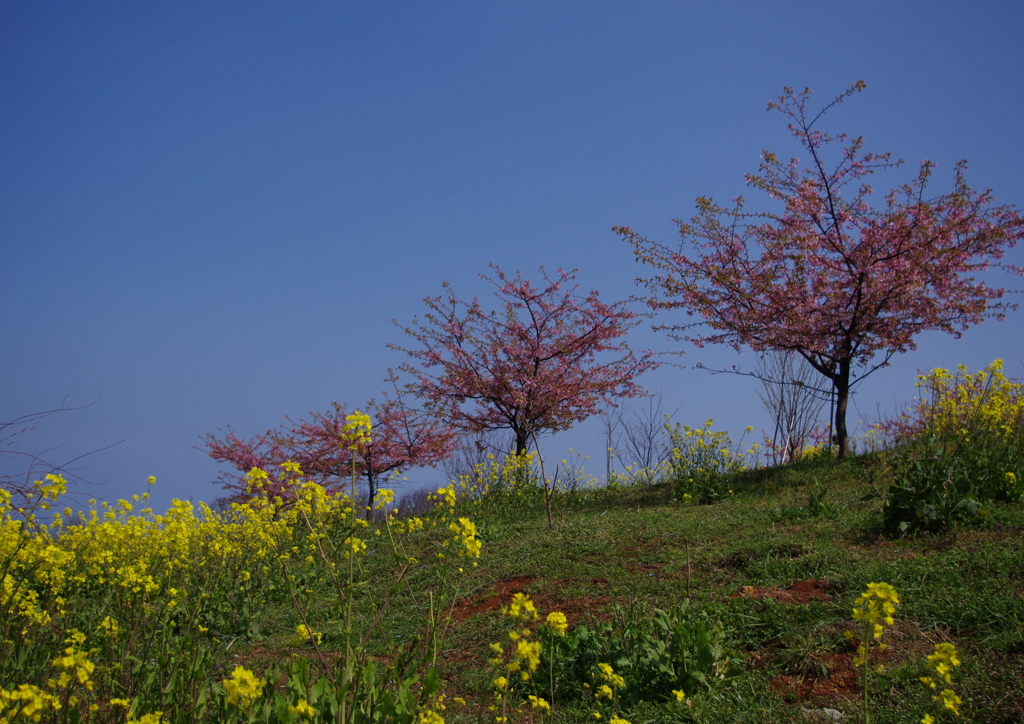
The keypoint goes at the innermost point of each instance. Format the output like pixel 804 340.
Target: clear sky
pixel 211 212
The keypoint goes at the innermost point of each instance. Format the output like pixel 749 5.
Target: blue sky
pixel 211 212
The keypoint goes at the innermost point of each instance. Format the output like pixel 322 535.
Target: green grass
pixel 808 522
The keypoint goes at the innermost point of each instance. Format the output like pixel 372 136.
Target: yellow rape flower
pixel 156 717
pixel 77 666
pixel 305 633
pixel 356 430
pixel 876 604
pixel 446 496
pixel 609 675
pixel 302 708
pixel 430 717
pixel 949 700
pixel 528 652
pixel 384 497
pixel 243 687
pixel 557 622
pixel 521 607
pixel 28 701
pixel 538 703
pixel 354 546
pixel 465 532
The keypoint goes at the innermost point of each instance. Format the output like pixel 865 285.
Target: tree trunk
pixel 842 385
pixel 521 440
pixel 839 374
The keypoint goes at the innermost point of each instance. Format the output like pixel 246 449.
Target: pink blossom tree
pixel 265 452
pixel 829 276
pixel 539 363
pixel 402 437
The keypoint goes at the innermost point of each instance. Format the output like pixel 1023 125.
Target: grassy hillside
pixel 779 563
pixel 740 610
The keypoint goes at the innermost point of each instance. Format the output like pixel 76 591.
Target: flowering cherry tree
pixel 401 437
pixel 538 363
pixel 829 276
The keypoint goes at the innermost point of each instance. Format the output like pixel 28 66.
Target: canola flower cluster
pixel 148 566
pixel 941 663
pixel 525 653
pixel 981 412
pixel 243 688
pixel 30 702
pixel 702 461
pixel 514 477
pixel 607 684
pixel 160 576
pixel 874 609
pixel 522 656
pixel 464 538
pixel 959 448
pixel 356 430
pixel 957 401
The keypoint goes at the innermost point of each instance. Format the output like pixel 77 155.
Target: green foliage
pixel 378 695
pixel 655 651
pixel 967 450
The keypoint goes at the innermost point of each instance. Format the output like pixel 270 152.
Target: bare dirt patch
pixel 575 608
pixel 812 589
pixel 841 682
pixel 503 593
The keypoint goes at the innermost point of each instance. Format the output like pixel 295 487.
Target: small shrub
pixel 513 483
pixel 655 652
pixel 966 449
pixel 703 463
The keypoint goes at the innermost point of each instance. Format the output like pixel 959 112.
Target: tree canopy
pixel 841 282
pixel 542 361
pixel 401 437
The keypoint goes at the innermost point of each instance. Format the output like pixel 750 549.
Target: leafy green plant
pixel 965 449
pixel 656 652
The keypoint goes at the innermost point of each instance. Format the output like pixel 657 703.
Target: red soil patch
pixel 843 680
pixel 503 592
pixel 800 592
pixel 573 608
